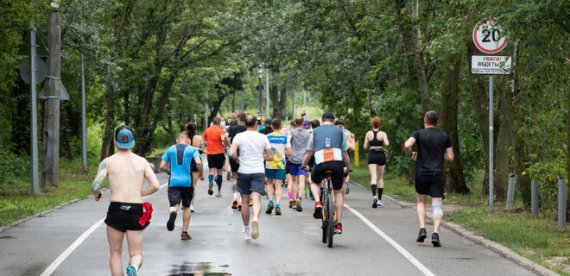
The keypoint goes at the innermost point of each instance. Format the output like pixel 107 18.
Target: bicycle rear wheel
pixel 324 218
pixel 330 220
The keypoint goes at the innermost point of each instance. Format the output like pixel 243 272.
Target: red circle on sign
pixel 480 46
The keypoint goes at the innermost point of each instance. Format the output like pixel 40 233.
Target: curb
pixel 15 223
pixel 496 247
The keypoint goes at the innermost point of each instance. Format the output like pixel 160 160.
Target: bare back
pixel 127 172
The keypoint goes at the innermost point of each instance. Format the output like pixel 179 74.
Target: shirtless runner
pixel 127 214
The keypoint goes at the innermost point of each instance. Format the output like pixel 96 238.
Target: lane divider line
pixel 393 243
pixel 55 264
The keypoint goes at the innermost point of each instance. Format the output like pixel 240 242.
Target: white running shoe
pixel 255 231
pixel 246 233
pixel 380 203
pixel 375 202
pixel 192 207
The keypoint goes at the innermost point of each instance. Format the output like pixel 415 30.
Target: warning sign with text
pixel 491 65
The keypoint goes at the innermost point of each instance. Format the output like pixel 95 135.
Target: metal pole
pixel 534 198
pixel 34 111
pixel 242 101
pixel 561 203
pixel 511 192
pixel 304 99
pixel 83 115
pixel 267 92
pixel 491 196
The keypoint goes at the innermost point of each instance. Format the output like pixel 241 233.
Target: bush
pixel 12 165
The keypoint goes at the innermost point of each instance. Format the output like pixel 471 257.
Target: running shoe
pixel 250 202
pixel 338 228
pixel 435 240
pixel 347 189
pixel 291 203
pixel 277 211
pixel 235 204
pixel 255 229
pixel 239 207
pixel 170 223
pixel 229 175
pixel 192 208
pixel 219 194
pixel 318 214
pixel 184 236
pixel 246 233
pixel 380 203
pixel 422 235
pixel 210 185
pixel 375 202
pixel 298 205
pixel 131 270
pixel 269 208
pixel 311 196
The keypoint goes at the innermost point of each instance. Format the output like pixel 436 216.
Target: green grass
pixel 17 203
pixel 540 240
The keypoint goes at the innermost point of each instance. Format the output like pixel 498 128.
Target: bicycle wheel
pixel 330 220
pixel 324 199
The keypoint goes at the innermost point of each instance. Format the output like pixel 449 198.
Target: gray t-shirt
pixel 297 140
pixel 328 142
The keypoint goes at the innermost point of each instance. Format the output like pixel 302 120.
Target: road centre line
pixel 393 243
pixel 53 266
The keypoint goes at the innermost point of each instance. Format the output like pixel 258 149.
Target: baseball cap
pixel 124 137
pixel 328 115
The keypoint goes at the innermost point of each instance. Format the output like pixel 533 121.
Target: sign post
pixel 489 38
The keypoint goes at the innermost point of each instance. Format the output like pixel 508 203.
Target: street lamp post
pixel 260 88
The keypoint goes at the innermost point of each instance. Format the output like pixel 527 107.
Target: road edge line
pixel 393 243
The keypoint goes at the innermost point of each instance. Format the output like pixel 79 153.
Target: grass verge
pixel 17 203
pixel 540 240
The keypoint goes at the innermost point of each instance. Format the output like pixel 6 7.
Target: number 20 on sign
pixel 488 37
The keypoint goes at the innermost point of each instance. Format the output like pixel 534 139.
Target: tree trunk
pixel 503 145
pixel 419 61
pixel 108 147
pixel 404 32
pixel 454 176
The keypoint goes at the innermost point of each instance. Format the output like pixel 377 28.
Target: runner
pixel 253 148
pixel 197 142
pixel 328 145
pixel 275 168
pixel 267 127
pixel 127 214
pixel 239 127
pixel 433 148
pixel 176 161
pixel 350 143
pixel 314 124
pixel 288 178
pixel 375 141
pixel 297 141
pixel 215 150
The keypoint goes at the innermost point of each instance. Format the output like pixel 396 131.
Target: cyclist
pixel 375 141
pixel 328 144
pixel 216 153
pixel 433 147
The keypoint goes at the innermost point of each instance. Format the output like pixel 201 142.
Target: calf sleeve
pixel 437 209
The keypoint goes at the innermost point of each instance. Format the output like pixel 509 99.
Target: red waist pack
pixel 147 213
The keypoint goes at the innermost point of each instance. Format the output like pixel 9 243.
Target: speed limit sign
pixel 488 36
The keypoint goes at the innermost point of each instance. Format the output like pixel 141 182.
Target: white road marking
pixel 393 243
pixel 53 266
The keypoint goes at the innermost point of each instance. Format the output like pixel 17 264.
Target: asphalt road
pixel 71 241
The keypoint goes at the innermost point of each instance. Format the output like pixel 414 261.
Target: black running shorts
pixel 337 168
pixel 431 185
pixel 377 157
pixel 178 194
pixel 125 216
pixel 216 161
pixel 234 165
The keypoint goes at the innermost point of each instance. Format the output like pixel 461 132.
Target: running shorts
pixel 277 174
pixel 431 185
pixel 125 216
pixel 296 169
pixel 216 161
pixel 377 157
pixel 180 194
pixel 234 165
pixel 251 182
pixel 337 168
pixel 193 166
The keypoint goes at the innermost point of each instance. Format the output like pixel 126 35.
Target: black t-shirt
pixel 234 130
pixel 432 143
pixel 266 130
